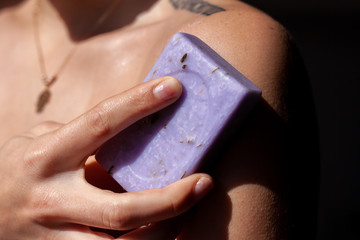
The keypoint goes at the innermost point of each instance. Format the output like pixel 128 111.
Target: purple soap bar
pixel 171 144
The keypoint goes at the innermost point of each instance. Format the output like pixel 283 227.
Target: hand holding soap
pixel 171 144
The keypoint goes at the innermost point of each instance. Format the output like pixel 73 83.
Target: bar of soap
pixel 171 144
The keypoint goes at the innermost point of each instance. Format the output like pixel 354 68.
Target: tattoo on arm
pixel 197 6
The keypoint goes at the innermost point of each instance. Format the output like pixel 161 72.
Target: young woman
pixel 60 60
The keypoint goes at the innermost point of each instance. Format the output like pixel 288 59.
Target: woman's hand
pixel 43 191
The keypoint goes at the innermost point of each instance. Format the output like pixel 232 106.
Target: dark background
pixel 327 34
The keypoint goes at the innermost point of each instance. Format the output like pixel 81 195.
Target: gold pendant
pixel 43 99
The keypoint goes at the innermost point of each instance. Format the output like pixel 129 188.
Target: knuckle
pixel 45 198
pixel 21 149
pixel 31 161
pixel 115 216
pixel 176 205
pixel 29 153
pixel 34 156
pixel 173 207
pixel 98 121
pixel 43 202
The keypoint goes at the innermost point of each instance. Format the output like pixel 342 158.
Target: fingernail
pixel 203 186
pixel 167 89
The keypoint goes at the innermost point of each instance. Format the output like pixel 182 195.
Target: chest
pixel 97 70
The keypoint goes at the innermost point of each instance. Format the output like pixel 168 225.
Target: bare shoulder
pixel 253 42
pixel 256 175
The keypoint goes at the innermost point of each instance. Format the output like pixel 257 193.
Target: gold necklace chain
pixel 48 81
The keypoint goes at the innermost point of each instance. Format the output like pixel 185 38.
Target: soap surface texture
pixel 171 144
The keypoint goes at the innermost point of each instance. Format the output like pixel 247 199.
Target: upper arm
pixel 251 195
pixel 253 43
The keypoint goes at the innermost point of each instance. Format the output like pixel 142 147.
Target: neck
pixel 83 18
pixel 79 17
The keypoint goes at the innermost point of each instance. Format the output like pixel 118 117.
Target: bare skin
pixel 123 55
pixel 247 201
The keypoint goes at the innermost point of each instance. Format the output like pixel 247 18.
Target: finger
pixel 56 230
pixel 126 211
pixel 152 232
pixel 166 230
pixel 78 234
pixel 84 135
